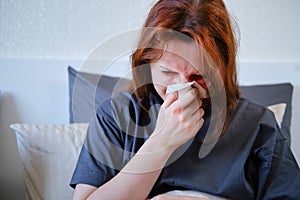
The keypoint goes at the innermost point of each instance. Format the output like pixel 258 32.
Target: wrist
pixel 152 156
pixel 158 142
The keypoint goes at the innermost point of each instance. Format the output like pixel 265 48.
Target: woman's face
pixel 181 62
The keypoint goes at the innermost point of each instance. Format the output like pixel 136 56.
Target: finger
pixel 189 97
pixel 199 102
pixel 170 98
pixel 200 124
pixel 200 90
pixel 197 118
pixel 199 99
pixel 191 110
pixel 200 112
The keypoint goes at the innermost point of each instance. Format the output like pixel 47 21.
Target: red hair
pixel 207 22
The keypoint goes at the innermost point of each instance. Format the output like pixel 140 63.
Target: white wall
pixel 39 39
pixel 64 29
pixel 269 49
pixel 269 29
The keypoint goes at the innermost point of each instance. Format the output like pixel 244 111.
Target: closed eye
pixel 169 72
pixel 166 70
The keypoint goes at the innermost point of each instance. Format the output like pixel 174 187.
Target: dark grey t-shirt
pixel 252 160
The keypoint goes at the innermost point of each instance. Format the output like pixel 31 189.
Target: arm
pixel 137 178
pixel 83 191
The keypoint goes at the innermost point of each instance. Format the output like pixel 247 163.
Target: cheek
pixel 160 89
pixel 161 81
pixel 160 86
pixel 158 83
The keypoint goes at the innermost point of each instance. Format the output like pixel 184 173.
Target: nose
pixel 184 78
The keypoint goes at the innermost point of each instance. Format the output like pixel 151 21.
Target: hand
pixel 179 119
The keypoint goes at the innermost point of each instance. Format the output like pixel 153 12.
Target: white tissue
pixel 180 87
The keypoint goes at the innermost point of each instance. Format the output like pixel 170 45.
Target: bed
pixel 49 151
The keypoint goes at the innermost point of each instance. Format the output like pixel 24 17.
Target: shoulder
pixel 253 111
pixel 259 120
pixel 126 108
pixel 118 103
pixel 255 119
pixel 117 107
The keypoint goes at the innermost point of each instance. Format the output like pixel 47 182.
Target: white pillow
pixel 192 193
pixel 49 154
pixel 278 110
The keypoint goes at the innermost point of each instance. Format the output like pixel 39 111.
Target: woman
pixel 147 143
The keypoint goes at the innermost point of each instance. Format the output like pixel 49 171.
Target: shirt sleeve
pixel 278 172
pixel 101 156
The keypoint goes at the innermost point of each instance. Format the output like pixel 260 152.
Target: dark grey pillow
pixel 271 94
pixel 87 91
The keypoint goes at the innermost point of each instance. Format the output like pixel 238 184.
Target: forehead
pixel 184 54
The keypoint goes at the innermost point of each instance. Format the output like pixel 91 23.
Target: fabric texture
pixel 271 94
pixel 248 161
pixel 87 91
pixel 49 154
